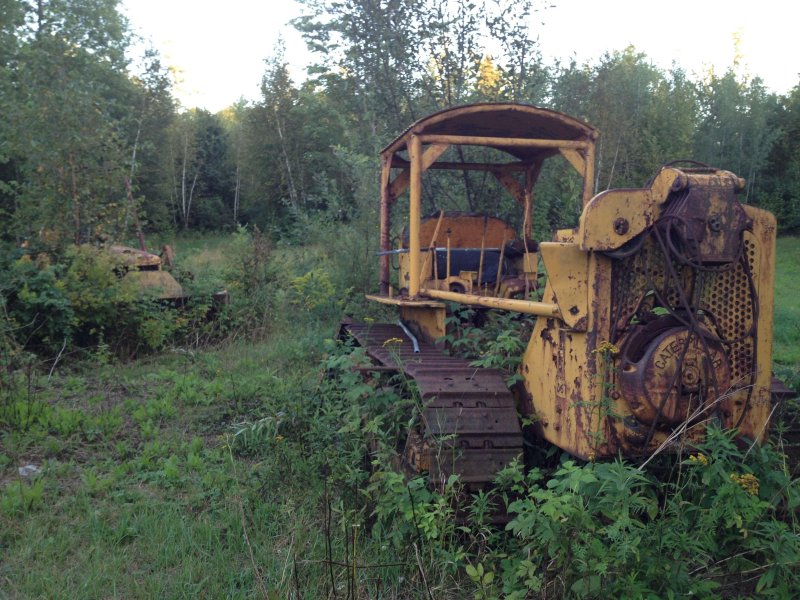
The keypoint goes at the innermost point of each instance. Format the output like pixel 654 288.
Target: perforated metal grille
pixel 728 298
pixel 633 276
pixel 725 297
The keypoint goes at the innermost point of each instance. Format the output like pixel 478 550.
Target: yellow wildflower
pixel 606 348
pixel 748 482
pixel 699 458
pixel 392 340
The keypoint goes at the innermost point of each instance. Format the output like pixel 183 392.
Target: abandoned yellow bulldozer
pixel 655 319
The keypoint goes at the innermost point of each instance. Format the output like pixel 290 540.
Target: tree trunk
pixel 129 182
pixel 613 164
pixel 236 192
pixel 290 179
pixel 76 201
pixel 184 213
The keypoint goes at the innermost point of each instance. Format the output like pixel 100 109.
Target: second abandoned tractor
pixel 655 319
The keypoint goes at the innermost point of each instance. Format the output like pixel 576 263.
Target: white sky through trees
pixel 218 48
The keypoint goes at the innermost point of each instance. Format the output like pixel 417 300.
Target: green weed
pixel 20 497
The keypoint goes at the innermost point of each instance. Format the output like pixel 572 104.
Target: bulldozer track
pixel 470 425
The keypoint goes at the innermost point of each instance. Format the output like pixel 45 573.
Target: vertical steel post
pixel 386 169
pixel 415 207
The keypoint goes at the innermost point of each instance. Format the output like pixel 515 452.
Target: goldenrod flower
pixel 392 340
pixel 698 458
pixel 606 348
pixel 748 482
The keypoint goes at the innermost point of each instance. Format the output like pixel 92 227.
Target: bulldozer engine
pixel 655 320
pixel 678 326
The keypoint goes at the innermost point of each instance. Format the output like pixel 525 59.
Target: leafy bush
pixel 315 293
pixel 38 311
pixel 498 343
pixel 82 301
pixel 716 523
pixel 251 278
pixel 98 296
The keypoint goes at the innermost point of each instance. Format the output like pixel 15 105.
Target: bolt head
pixel 621 226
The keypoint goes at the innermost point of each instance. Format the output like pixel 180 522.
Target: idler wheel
pixel 667 372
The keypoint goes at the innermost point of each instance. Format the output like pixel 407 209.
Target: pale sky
pixel 219 47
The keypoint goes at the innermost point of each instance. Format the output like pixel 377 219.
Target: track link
pixel 470 425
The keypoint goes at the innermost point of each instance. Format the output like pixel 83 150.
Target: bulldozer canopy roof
pixel 500 120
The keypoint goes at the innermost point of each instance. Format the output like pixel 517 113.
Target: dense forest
pixel 93 144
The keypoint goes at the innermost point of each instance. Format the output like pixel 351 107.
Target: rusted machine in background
pixel 145 269
pixel 656 317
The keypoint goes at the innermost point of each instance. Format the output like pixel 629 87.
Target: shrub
pixel 315 294
pixel 251 277
pixel 38 312
pixel 717 523
pixel 82 301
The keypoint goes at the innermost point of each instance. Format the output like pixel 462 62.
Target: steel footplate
pixel 470 421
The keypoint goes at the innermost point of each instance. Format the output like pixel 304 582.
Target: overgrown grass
pixel 239 471
pixel 786 349
pixel 140 494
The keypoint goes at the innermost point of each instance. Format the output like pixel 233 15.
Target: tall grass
pixel 786 349
pixel 786 345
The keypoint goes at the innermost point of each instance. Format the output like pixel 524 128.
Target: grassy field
pixel 786 350
pixel 145 489
pixel 142 493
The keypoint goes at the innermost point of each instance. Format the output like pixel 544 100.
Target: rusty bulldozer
pixel 655 319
